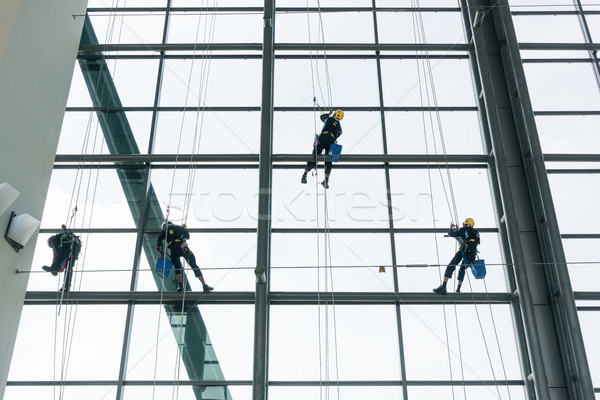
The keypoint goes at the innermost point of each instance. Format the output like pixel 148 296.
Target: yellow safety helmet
pixel 339 114
pixel 469 221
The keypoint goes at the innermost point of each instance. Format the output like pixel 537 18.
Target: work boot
pixel 206 288
pixel 48 269
pixel 65 288
pixel 303 180
pixel 440 290
pixel 180 287
pixel 457 290
pixel 325 183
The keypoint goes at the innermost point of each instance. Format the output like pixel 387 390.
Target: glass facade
pixel 166 119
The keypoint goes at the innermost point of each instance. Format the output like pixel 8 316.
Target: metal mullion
pixel 142 220
pixel 588 38
pixel 260 373
pixel 390 210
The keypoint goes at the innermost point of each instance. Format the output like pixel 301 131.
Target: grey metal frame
pixel 529 303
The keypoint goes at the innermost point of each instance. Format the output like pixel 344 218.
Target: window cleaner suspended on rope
pixel 66 247
pixel 468 238
pixel 174 236
pixel 332 129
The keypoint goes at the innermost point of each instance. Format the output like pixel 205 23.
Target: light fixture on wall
pixel 20 229
pixel 8 194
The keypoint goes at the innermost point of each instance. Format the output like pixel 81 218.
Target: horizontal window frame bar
pixel 196 47
pixel 273 230
pixel 276 109
pixel 275 298
pixel 276 158
pixel 183 382
pixel 255 166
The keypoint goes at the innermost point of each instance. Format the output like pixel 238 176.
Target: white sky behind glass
pixel 401 88
pixel 214 132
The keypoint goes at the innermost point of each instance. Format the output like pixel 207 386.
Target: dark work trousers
pixel 176 252
pixel 318 149
pixel 60 257
pixel 458 257
pixel 62 262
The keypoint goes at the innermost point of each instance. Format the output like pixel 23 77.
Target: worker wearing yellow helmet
pixel 332 129
pixel 468 238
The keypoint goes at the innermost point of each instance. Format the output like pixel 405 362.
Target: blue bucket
pixel 334 152
pixel 478 269
pixel 163 267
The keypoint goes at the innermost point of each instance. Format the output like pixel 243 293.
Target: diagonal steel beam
pixel 197 353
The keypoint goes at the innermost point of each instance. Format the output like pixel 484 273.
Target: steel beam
pixel 138 159
pixel 145 210
pixel 485 52
pixel 276 298
pixel 260 374
pixel 566 322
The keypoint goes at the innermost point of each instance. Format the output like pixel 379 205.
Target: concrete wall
pixel 38 47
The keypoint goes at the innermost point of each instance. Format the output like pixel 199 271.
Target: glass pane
pixel 590 321
pixel 62 345
pixel 355 198
pixel 404 81
pixel 128 28
pixel 195 82
pixel 404 27
pixel 582 136
pixel 593 25
pixel 296 83
pixel 135 81
pixel 335 392
pixel 184 391
pixel 97 194
pixel 96 269
pixel 412 203
pixel 294 132
pixel 583 269
pixel 419 133
pixel 431 342
pixel 548 29
pixel 356 258
pixel 227 262
pixel 79 96
pixel 489 392
pixel 82 134
pixel 228 347
pixel 58 391
pixel 206 197
pixel 573 208
pixel 347 27
pixel 555 87
pixel 324 3
pixel 195 27
pixel 415 251
pixel 207 132
pixel 295 333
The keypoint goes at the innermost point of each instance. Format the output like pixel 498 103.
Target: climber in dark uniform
pixel 176 237
pixel 468 238
pixel 332 129
pixel 66 247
